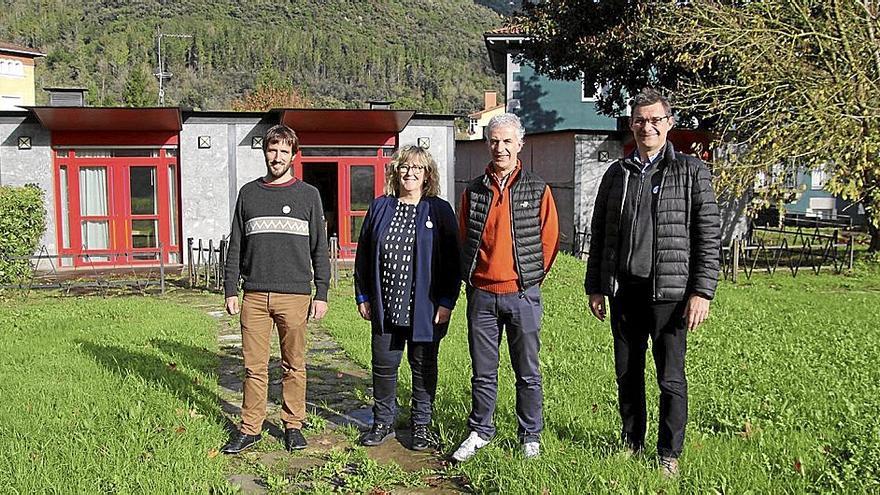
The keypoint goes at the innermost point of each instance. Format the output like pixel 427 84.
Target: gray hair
pixel 649 96
pixel 506 120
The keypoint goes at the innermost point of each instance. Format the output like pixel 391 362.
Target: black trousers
pixel 635 319
pixel 387 351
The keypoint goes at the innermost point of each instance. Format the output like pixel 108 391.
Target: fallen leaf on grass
pixel 747 430
pixel 213 453
pixel 172 365
pixel 179 430
pixel 798 466
pixel 194 414
pixel 595 408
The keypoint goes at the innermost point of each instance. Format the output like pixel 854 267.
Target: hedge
pixel 22 223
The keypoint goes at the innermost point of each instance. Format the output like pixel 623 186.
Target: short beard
pixel 272 173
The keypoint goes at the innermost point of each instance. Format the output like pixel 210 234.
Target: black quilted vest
pixel 526 194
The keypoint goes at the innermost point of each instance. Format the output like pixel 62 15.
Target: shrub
pixel 22 223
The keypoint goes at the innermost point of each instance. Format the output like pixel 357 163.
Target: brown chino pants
pixel 289 313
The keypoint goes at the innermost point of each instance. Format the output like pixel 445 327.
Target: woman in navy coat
pixel 407 279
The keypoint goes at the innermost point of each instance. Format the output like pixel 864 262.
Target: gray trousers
pixel 520 314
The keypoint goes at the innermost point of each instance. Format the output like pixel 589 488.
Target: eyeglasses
pixel 405 169
pixel 641 121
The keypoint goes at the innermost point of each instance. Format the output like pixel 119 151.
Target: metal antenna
pixel 160 71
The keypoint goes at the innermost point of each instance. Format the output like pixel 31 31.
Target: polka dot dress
pixel 396 254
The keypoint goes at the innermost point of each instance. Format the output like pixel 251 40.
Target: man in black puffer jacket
pixel 654 251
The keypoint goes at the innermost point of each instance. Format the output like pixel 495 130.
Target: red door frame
pixel 119 213
pixel 344 212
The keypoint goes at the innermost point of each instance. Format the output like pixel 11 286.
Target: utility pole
pixel 160 71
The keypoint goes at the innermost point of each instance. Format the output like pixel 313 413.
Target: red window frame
pixel 120 249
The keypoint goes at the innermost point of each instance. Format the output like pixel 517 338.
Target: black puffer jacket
pixel 687 230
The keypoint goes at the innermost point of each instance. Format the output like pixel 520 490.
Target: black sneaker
pixel 294 440
pixel 421 438
pixel 377 435
pixel 240 441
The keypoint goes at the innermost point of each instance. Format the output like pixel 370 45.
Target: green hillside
pixel 424 54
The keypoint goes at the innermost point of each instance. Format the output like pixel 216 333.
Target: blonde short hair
pixel 417 155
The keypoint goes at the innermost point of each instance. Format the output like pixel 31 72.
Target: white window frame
pixel 818 178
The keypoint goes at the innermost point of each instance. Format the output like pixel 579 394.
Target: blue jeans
pixel 520 314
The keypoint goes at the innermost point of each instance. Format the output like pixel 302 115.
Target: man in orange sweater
pixel 510 237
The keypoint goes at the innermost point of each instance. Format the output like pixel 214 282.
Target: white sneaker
pixel 531 450
pixel 469 447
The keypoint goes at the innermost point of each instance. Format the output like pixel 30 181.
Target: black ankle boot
pixel 377 435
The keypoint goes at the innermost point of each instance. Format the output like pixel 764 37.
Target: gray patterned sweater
pixel 278 242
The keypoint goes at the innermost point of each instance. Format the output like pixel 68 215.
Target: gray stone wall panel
pixel 440 133
pixel 204 183
pixel 33 166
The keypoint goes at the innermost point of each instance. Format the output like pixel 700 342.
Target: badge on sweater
pixel 285 209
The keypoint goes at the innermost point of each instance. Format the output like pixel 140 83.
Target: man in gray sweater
pixel 276 244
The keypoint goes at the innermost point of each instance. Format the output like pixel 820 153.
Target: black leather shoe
pixel 240 441
pixel 377 435
pixel 294 440
pixel 421 438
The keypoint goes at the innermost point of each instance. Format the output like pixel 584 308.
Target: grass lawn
pixel 108 395
pixel 784 392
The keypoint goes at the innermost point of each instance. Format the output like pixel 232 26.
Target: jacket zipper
pixel 614 282
pixel 519 276
pixel 654 247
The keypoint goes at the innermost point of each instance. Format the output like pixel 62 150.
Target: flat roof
pixel 109 118
pixel 20 50
pixel 322 120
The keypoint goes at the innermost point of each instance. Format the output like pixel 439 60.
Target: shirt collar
pixel 502 182
pixel 652 159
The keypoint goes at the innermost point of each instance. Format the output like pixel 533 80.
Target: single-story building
pixel 127 185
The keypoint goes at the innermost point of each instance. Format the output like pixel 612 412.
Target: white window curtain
pixel 93 191
pixel 93 202
pixel 65 203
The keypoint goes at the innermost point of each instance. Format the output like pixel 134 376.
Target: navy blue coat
pixel 436 272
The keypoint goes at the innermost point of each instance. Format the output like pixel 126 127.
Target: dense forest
pixel 423 54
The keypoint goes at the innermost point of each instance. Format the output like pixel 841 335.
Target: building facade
pixel 17 76
pixel 129 186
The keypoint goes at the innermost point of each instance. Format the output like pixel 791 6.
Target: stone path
pixel 338 395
